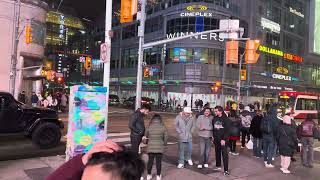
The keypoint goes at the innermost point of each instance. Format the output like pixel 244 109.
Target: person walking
pixel 246 119
pixel 269 127
pixel 256 133
pixel 34 99
pixel 63 102
pixel 221 126
pixel 234 132
pixel 204 125
pixel 136 125
pixel 184 125
pixel 287 141
pixel 306 132
pixel 157 136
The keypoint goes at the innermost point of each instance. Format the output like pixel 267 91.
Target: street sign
pixel 231 27
pixel 105 52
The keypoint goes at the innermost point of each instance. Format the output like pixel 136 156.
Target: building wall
pixel 27 53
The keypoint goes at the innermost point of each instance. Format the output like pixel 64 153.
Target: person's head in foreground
pixel 119 165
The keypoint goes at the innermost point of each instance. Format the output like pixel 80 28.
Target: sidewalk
pixel 243 167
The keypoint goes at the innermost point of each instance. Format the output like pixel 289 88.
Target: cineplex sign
pixel 196 10
pixel 277 52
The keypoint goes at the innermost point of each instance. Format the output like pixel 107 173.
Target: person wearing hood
pixel 184 125
pixel 157 135
pixel 257 134
pixel 204 125
pixel 246 119
pixel 287 141
pixel 269 127
pixel 136 125
pixel 234 131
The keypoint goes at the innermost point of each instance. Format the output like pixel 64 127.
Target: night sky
pixel 89 9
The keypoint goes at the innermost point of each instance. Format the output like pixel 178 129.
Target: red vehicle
pixel 299 103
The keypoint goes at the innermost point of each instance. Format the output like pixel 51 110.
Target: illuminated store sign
pixel 196 10
pixel 270 50
pixel 292 57
pixel 211 36
pixel 272 26
pixel 61 26
pixel 282 70
pixel 271 87
pixel 294 11
pixel 277 52
pixel 279 76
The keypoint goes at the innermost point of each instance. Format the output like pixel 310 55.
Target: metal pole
pixel 140 53
pixel 14 55
pixel 239 83
pixel 106 71
pixel 222 99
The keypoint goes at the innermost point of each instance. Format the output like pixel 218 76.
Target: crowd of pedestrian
pixel 268 135
pixel 57 101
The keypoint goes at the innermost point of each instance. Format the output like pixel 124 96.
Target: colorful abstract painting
pixel 87 116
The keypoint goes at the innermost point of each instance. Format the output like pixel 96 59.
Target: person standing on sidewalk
pixel 136 125
pixel 256 134
pixel 204 125
pixel 246 119
pixel 269 127
pixel 234 132
pixel 287 141
pixel 221 126
pixel 184 125
pixel 34 99
pixel 157 136
pixel 306 132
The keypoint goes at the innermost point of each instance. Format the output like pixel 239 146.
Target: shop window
pixel 306 104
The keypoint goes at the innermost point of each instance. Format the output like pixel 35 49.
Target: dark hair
pixel 156 117
pixel 233 113
pixel 219 108
pixel 146 106
pixel 310 116
pixel 123 165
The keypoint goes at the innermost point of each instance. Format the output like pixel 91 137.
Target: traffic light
pixel 216 86
pixel 126 14
pixel 146 72
pixel 243 74
pixel 88 63
pixel 28 34
pixel 251 54
pixel 232 48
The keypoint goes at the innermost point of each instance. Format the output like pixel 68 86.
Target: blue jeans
pixel 181 146
pixel 257 147
pixel 268 149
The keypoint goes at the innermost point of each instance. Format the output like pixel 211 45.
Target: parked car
pixel 42 125
pixel 130 102
pixel 114 99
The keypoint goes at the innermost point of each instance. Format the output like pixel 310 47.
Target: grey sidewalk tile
pixel 39 173
pixel 53 161
pixel 17 175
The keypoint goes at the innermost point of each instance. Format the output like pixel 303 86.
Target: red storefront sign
pixel 292 57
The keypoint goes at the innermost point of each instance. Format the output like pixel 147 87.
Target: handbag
pixel 145 140
pixel 249 144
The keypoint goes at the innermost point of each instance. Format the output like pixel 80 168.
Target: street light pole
pixel 239 82
pixel 14 56
pixel 106 71
pixel 140 53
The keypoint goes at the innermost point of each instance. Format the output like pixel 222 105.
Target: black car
pixel 42 125
pixel 114 99
pixel 130 102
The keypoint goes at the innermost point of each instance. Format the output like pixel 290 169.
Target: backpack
pixel 246 121
pixel 266 126
pixel 306 129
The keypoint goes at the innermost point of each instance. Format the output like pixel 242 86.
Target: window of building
pixel 273 39
pixel 293 45
pixel 130 31
pixel 153 24
pixel 294 24
pixel 191 24
pixel 271 63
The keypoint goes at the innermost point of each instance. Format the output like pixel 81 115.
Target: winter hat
pixel 247 108
pixel 187 110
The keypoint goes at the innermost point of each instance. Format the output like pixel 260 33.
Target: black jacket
pixel 275 123
pixel 221 126
pixel 287 139
pixel 235 125
pixel 255 129
pixel 136 123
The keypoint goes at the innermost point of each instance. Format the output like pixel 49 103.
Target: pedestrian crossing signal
pixel 28 34
pixel 243 74
pixel 88 63
pixel 146 72
pixel 251 54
